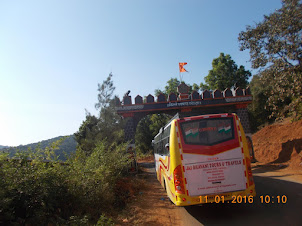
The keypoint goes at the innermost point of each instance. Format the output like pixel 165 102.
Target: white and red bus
pixel 204 159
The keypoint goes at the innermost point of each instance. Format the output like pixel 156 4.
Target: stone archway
pixel 227 101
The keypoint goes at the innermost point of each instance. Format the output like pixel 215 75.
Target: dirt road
pixel 151 206
pixel 154 208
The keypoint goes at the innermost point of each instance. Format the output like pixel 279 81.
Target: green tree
pixel 276 49
pixel 105 93
pixel 257 111
pixel 171 87
pixel 143 135
pixel 203 86
pixel 147 128
pixel 195 87
pixel 85 136
pixel 158 121
pixel 111 124
pixel 108 126
pixel 225 74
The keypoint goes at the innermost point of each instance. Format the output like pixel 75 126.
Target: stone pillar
pixel 242 113
pixel 129 130
pixel 130 127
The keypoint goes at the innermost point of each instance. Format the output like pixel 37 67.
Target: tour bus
pixel 204 159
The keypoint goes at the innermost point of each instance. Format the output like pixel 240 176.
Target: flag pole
pixel 180 76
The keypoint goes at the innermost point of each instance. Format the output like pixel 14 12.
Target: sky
pixel 53 54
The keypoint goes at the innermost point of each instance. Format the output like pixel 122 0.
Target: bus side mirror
pixel 167 146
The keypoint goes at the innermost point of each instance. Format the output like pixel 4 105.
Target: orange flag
pixel 181 67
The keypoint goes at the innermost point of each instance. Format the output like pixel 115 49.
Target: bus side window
pixel 159 147
pixel 166 140
pixel 162 146
pixel 157 144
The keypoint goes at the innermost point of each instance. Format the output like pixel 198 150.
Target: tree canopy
pixel 147 128
pixel 107 126
pixel 171 87
pixel 259 115
pixel 225 74
pixel 276 49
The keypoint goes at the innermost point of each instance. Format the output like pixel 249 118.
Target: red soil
pixel 280 144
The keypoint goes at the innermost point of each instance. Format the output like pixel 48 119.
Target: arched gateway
pixel 227 101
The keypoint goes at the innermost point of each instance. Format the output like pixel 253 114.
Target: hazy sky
pixel 54 53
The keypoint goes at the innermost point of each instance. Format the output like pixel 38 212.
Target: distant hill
pixel 1 146
pixel 67 147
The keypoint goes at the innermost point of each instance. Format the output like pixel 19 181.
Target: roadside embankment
pixel 280 144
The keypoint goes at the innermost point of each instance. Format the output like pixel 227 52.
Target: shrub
pixel 38 189
pixel 93 178
pixel 34 189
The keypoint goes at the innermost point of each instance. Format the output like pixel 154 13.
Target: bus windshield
pixel 209 131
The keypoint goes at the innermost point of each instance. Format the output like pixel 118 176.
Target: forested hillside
pixel 67 147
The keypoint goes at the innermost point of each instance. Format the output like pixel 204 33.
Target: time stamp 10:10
pixel 244 199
